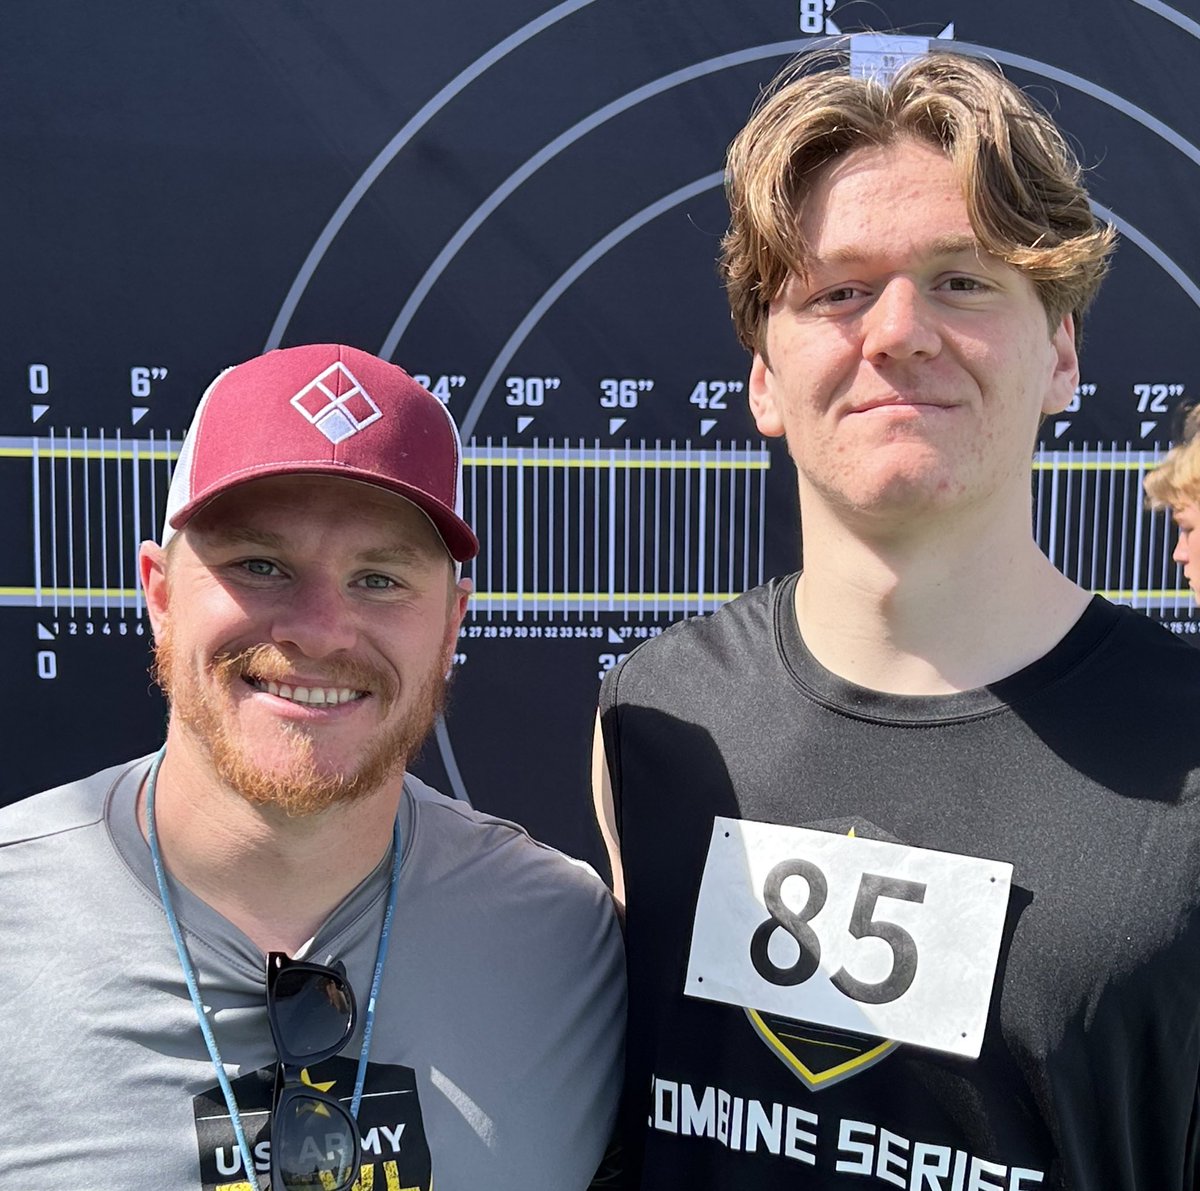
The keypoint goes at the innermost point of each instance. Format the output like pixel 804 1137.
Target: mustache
pixel 268 663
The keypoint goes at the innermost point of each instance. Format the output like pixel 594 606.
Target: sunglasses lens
pixel 313 1145
pixel 312 1010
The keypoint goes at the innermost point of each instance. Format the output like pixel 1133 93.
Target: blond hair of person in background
pixel 1175 484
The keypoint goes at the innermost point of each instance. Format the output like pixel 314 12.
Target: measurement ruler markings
pixel 1137 537
pixel 642 527
pixel 596 539
pixel 612 528
pixel 104 525
pixel 658 514
pixel 520 487
pixel 701 543
pixel 70 530
pixel 1060 528
pixel 490 534
pixel 1084 458
pixel 625 519
pixel 120 526
pixel 87 523
pixel 504 521
pixel 37 524
pixel 687 523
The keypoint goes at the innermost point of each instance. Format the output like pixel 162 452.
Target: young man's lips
pixel 900 404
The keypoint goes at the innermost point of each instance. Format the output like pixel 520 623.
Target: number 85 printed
pixel 881 938
pixel 863 924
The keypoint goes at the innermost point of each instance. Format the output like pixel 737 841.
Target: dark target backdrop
pixel 521 203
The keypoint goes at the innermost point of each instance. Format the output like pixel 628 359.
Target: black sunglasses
pixel 315 1142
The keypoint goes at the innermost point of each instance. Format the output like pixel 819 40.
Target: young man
pixel 906 841
pixel 1175 484
pixel 186 937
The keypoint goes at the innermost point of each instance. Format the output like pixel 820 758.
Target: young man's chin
pixel 885 494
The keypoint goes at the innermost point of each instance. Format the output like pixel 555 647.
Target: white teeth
pixel 314 696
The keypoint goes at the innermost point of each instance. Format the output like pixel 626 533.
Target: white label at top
pixel 880 938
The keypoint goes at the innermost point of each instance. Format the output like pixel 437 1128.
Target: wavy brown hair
pixel 1020 179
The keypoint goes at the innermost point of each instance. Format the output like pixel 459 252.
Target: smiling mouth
pixel 900 403
pixel 310 696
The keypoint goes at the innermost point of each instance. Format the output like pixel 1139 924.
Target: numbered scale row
pixel 625 392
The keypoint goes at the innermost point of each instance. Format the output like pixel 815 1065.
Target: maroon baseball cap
pixel 324 409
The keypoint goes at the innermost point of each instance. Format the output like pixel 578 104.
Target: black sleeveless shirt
pixel 1082 771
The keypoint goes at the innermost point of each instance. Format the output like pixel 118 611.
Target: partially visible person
pixel 186 936
pixel 1175 484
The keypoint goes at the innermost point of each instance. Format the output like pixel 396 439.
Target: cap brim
pixel 457 536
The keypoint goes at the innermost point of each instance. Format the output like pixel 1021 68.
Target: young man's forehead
pixel 942 246
pixel 853 210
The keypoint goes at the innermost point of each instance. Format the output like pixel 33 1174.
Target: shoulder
pixel 1140 657
pixel 1117 713
pixel 540 915
pixel 729 639
pixel 1138 633
pixel 455 837
pixel 63 809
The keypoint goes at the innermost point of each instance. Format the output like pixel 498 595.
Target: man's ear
pixel 152 569
pixel 1064 379
pixel 459 597
pixel 462 595
pixel 764 399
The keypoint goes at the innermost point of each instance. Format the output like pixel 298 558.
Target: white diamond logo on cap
pixel 337 416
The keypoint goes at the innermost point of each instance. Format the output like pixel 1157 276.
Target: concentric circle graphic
pixel 522 205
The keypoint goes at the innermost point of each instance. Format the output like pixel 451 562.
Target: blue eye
pixel 377 582
pixel 259 566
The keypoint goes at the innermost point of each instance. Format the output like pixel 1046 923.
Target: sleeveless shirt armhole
pixel 610 736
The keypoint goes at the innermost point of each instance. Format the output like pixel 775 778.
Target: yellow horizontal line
pixel 1093 465
pixel 468 460
pixel 87 453
pixel 68 593
pixel 489 597
pixel 583 464
pixel 647 464
pixel 480 597
pixel 1179 593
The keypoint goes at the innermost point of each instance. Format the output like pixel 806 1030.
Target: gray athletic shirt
pixel 497 1043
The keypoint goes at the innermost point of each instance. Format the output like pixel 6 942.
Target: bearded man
pixel 270 956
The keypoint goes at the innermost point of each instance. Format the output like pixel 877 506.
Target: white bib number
pixel 878 938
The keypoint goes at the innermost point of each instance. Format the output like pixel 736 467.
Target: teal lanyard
pixel 189 972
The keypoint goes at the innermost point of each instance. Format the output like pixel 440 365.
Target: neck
pixel 276 878
pixel 936 607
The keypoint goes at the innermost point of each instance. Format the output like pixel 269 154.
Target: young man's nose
pixel 899 323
